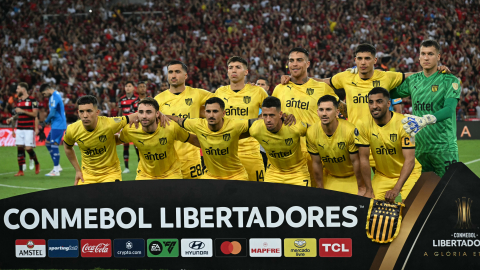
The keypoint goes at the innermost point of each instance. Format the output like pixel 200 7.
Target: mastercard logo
pixel 232 247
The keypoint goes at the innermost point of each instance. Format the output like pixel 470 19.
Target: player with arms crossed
pixel 243 101
pixel 434 100
pixel 126 105
pixel 287 164
pixel 155 143
pixel 27 127
pixel 332 145
pixel 95 136
pixel 397 170
pixel 56 117
pixel 219 139
pixel 185 102
pixel 301 93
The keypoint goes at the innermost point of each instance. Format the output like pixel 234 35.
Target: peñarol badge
pixel 226 137
pixel 434 88
pixel 162 141
pixel 310 91
pixel 383 221
pixel 102 138
pixel 247 99
pixel 188 101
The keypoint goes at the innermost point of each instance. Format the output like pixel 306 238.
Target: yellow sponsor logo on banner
pixel 300 247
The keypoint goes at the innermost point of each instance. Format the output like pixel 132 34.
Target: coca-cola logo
pixel 96 247
pixel 6 138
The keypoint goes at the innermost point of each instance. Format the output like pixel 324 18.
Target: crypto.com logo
pixel 464 218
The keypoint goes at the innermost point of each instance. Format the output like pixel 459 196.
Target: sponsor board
pixel 200 247
pixel 162 247
pixel 129 248
pixel 231 247
pixel 96 248
pixel 265 247
pixel 300 247
pixel 335 247
pixel 63 248
pixel 30 248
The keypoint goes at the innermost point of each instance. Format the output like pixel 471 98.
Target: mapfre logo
pixel 265 247
pixel 335 247
pixel 96 247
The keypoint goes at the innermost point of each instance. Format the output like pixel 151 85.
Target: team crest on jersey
pixel 226 137
pixel 188 101
pixel 162 141
pixel 102 138
pixel 434 88
pixel 376 83
pixel 393 137
pixel 247 99
pixel 341 145
pixel 289 141
pixel 310 91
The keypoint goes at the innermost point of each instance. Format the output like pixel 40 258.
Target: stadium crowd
pixel 94 47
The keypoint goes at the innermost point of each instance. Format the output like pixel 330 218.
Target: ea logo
pixel 233 247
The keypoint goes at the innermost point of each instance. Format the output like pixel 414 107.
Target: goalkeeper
pixel 434 99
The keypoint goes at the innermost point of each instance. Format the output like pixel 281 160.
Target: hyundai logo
pixel 196 245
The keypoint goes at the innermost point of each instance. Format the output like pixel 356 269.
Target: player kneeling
pixel 155 144
pixel 397 170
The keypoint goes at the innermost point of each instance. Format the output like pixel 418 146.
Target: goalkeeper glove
pixel 353 70
pixel 413 124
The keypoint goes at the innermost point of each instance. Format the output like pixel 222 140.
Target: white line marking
pixel 473 161
pixel 22 187
pixel 69 168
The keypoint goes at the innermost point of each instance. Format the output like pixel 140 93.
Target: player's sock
pixel 126 147
pixel 33 156
pixel 49 148
pixel 20 157
pixel 55 154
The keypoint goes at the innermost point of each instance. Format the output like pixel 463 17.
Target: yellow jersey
pixel 158 157
pixel 334 150
pixel 357 89
pixel 301 100
pixel 98 147
pixel 220 148
pixel 244 104
pixel 186 104
pixel 386 144
pixel 283 148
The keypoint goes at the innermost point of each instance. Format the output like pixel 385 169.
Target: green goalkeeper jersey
pixel 428 96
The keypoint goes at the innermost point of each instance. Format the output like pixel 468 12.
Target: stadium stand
pixel 93 47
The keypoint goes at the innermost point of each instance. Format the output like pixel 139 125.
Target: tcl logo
pixel 335 247
pixel 96 247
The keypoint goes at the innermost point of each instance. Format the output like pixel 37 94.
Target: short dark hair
pixel 44 87
pixel 270 102
pixel 265 79
pixel 237 59
pixel 142 82
pixel 215 100
pixel 88 99
pixel 150 101
pixel 379 90
pixel 328 98
pixel 365 47
pixel 430 43
pixel 176 62
pixel 298 49
pixel 23 85
pixel 130 82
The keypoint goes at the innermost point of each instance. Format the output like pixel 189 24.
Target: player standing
pixel 397 170
pixel 282 145
pixel 300 95
pixel 185 102
pixel 434 100
pixel 332 145
pixel 155 143
pixel 27 127
pixel 58 121
pixel 219 140
pixel 95 136
pixel 243 101
pixel 126 108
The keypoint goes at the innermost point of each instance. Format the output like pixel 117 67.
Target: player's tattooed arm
pixel 177 119
pixel 193 140
pixel 343 108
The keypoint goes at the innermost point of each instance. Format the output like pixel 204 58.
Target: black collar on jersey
pixel 382 125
